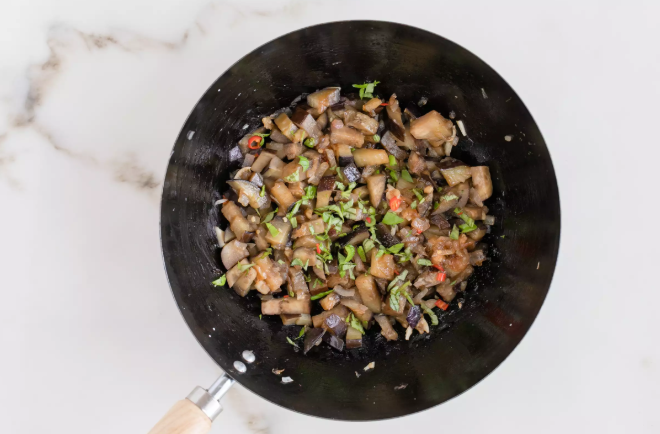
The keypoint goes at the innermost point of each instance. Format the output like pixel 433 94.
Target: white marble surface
pixel 92 95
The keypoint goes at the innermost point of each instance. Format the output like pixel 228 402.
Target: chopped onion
pixel 344 292
pixel 461 127
pixel 370 366
pixel 409 331
pixel 220 201
pixel 220 234
pixel 286 380
pixel 448 146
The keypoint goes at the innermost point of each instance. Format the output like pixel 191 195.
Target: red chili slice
pixel 441 304
pixel 441 277
pixel 251 142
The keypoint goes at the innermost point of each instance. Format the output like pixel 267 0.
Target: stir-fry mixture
pixel 349 216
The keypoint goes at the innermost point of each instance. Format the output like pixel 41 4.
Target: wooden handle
pixel 183 418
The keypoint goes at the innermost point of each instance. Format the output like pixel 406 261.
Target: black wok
pixel 503 297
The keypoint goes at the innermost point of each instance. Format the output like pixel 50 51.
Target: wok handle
pixel 195 414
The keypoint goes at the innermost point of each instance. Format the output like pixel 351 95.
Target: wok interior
pixel 503 297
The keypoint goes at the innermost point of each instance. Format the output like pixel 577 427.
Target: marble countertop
pixel 92 96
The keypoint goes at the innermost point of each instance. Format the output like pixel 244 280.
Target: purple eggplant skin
pixel 312 337
pixel 385 237
pixel 414 315
pixel 351 172
pixel 336 325
pixel 334 342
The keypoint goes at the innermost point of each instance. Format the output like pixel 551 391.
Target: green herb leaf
pixel 297 261
pixel 293 221
pixel 220 281
pixel 368 245
pixel 501 236
pixel 355 323
pixel 469 225
pixel 391 219
pixel 392 160
pixel 424 262
pixel 377 172
pixel 376 138
pixel 406 175
pixel 380 253
pixel 366 89
pixel 396 248
pixel 413 205
pixel 304 163
pixel 448 197
pixel 405 256
pixel 436 205
pixel 244 267
pixel 260 316
pixel 350 252
pixel 310 142
pixel 262 193
pixel 429 312
pixel 361 253
pixel 294 177
pixel 418 193
pixel 281 262
pixel 288 339
pixel 321 295
pixel 454 233
pixel 394 175
pixel 272 229
pixel 302 332
pixel 267 252
pixel 269 216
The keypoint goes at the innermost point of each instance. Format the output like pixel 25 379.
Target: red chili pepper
pixel 368 219
pixel 251 142
pixel 459 213
pixel 318 248
pixel 441 304
pixel 396 272
pixel 384 104
pixel 440 277
pixel 286 296
pixel 395 203
pixel 439 267
pixel 419 231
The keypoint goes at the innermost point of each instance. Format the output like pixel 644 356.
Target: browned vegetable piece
pixel 233 252
pixel 262 161
pixel 306 121
pixel 324 192
pixel 433 127
pixel 330 301
pixel 456 175
pixel 282 195
pixel 479 233
pixel 416 163
pixel 248 193
pixel 477 258
pixel 274 169
pixel 370 157
pixel 475 212
pixel 335 325
pixel 353 338
pixel 345 135
pixel 324 98
pixel 376 185
pixel 361 122
pixel 456 263
pixel 382 267
pixel 292 150
pixel 285 125
pixel 387 309
pixel 306 255
pixel 279 239
pixel 394 122
pixel 238 224
pixel 422 326
pixel 335 279
pixel 368 290
pixel 389 142
pixel 386 328
pixel 371 105
pixel 297 284
pixel 341 310
pixel 306 241
pixel 240 279
pixel 360 311
pixel 302 319
pixel 290 306
pixel 447 292
pixel 482 182
pixel 269 272
pixel 293 172
pixel 322 122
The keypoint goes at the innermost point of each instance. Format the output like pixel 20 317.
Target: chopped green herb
pixel 436 205
pixel 307 277
pixel 350 252
pixel 297 261
pixel 355 323
pixel 302 332
pixel 376 138
pixel 272 229
pixel 269 216
pixel 304 163
pixel 361 253
pixel 413 205
pixel 317 282
pixel 294 221
pixel 310 142
pixel 294 177
pixel 220 281
pixel 396 248
pixel 394 175
pixel 454 233
pixel 377 172
pixel 244 267
pixel 406 175
pixel 260 316
pixel 469 225
pixel 262 193
pixel 368 245
pixel 418 194
pixel 392 160
pixel 321 295
pixel 391 219
pixel 267 252
pixel 448 197
pixel 429 312
pixel 281 262
pixel 405 256
pixel 424 262
pixel 288 339
pixel 501 236
pixel 366 89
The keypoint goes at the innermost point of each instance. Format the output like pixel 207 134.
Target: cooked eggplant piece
pixel 324 98
pixel 354 238
pixel 371 105
pixel 312 338
pixel 385 237
pixel 278 137
pixel 362 123
pixel 360 311
pixel 456 175
pixel 286 126
pixel 238 224
pixel 482 181
pixel 386 328
pixel 477 258
pixel 344 155
pixel 335 325
pixel 479 233
pixel 322 122
pixel 297 285
pixel 334 341
pixel 248 193
pixel 416 163
pixel 382 267
pixel 305 255
pixel 351 173
pixel 353 338
pixel 340 310
pixel 330 301
pixel 432 127
pixel 306 121
pixel 340 134
pixel 440 221
pixel 413 316
pixel 311 227
pixel 389 142
pixel 282 195
pixel 302 319
pixel 240 279
pixel 370 157
pixel 324 191
pixel 293 172
pixel 233 252
pixel 270 272
pixel 280 236
pixel 368 291
pixel 376 185
pixel 394 122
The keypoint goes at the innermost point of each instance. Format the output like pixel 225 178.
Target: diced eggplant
pixel 280 239
pixel 278 137
pixel 368 291
pixel 331 300
pixel 233 252
pixel 345 135
pixel 477 258
pixel 335 325
pixel 389 142
pixel 302 319
pixel 306 255
pixel 440 221
pixel 353 338
pixel 306 121
pixel 354 238
pixel 362 123
pixel 312 227
pixel 475 212
pixel 317 285
pixel 312 338
pixel 447 292
pixel 394 122
pixel 371 105
pixel 370 157
pixel 306 241
pixel 386 328
pixel 282 195
pixel 479 233
pixel 297 284
pixel 293 172
pixel 238 224
pixel 422 326
pixel 387 309
pixel 425 207
pixel 248 193
pixel 322 122
pixel 456 175
pixel 335 279
pixel 385 236
pixel 286 126
pixel 482 181
pixel 334 341
pixel 416 163
pixel 360 311
pixel 324 98
pixel 292 150
pixel 351 173
pixel 433 127
pixel 341 310
pixel 239 280
pixel 413 316
pixel 270 272
pixel 382 267
pixel 376 185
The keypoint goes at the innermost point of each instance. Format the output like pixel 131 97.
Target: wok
pixel 503 297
